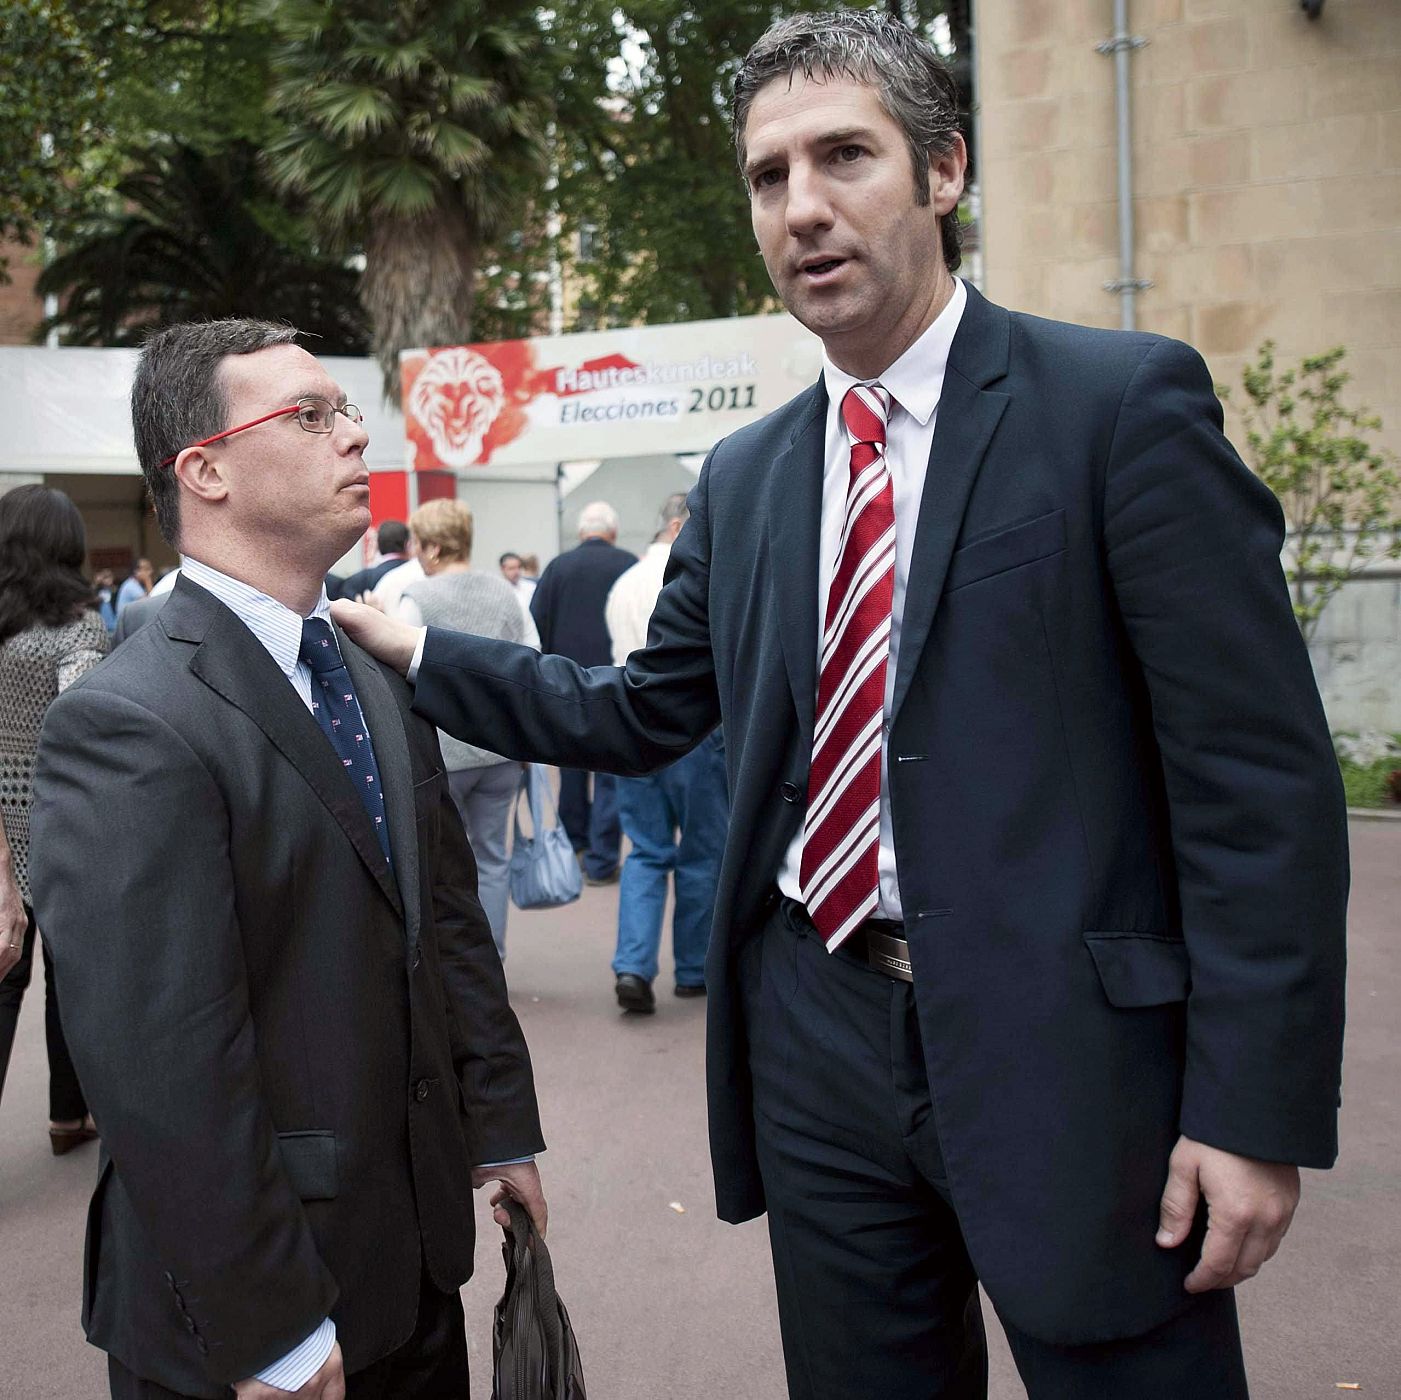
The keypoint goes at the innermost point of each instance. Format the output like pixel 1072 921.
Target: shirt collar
pixel 275 625
pixel 916 379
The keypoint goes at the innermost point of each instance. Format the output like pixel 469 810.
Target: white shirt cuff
pixel 302 1362
pixel 411 675
pixel 509 1162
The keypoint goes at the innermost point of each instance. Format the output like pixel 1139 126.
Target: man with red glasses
pixel 289 1016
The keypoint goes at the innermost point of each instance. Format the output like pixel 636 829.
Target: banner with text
pixel 615 393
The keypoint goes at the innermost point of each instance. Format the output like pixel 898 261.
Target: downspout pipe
pixel 1128 284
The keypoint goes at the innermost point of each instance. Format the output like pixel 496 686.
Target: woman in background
pixel 50 634
pixel 452 594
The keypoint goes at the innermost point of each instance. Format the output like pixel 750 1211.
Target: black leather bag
pixel 534 1352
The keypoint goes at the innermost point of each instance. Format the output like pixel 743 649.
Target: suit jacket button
pixel 420 1090
pixel 789 792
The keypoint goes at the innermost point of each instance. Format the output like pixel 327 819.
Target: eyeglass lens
pixel 319 415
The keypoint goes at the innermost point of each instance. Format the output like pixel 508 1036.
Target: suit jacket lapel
pixel 969 413
pixel 795 519
pixel 386 725
pixel 231 661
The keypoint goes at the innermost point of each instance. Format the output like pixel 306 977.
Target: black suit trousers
pixel 66 1102
pixel 876 1292
pixel 431 1365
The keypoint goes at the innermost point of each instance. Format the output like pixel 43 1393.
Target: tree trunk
pixel 419 285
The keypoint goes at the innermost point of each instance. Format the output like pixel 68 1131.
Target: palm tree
pixel 415 129
pixel 195 236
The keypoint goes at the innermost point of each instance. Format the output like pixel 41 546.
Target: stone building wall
pixel 1267 175
pixel 1267 201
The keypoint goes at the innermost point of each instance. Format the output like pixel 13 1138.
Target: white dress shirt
pixel 915 381
pixel 279 629
pixel 391 586
pixel 631 600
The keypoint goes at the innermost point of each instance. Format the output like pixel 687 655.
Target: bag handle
pixel 525 1237
pixel 536 786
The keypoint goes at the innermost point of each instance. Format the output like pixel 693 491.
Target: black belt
pixel 878 943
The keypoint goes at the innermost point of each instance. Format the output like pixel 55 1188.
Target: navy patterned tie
pixel 337 711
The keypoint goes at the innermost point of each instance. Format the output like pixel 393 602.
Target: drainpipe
pixel 1127 285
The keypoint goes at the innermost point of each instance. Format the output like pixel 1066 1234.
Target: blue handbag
pixel 544 872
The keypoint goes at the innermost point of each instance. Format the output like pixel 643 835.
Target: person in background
pixel 106 599
pixel 453 594
pixel 395 548
pixel 568 610
pixel 50 634
pixel 523 588
pixel 675 818
pixel 142 580
pixel 513 571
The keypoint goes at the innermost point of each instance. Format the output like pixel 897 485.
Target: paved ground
pixel 671 1306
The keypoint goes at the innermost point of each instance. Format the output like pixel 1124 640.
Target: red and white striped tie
pixel 841 835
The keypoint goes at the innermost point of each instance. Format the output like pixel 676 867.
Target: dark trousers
pixel 65 1097
pixel 591 822
pixel 876 1292
pixel 431 1365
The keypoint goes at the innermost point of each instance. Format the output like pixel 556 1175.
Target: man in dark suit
pixel 567 606
pixel 282 995
pixel 1028 956
pixel 394 549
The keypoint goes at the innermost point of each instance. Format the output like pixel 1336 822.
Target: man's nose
pixel 808 208
pixel 353 434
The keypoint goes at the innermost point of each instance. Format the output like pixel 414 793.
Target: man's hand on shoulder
pixel 327 1384
pixel 1249 1206
pixel 387 638
pixel 518 1179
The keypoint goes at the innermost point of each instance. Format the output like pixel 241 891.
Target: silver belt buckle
pixel 889 955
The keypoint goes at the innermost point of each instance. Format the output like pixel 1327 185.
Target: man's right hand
pixel 392 641
pixel 327 1384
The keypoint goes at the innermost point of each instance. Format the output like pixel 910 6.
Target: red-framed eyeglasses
pixel 314 415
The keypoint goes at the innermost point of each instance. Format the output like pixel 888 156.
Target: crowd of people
pixel 962 701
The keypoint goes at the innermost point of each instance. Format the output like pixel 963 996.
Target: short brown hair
pixel 913 83
pixel 447 524
pixel 177 397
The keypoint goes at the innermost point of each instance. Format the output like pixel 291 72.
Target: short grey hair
pixel 913 83
pixel 598 518
pixel 674 508
pixel 177 397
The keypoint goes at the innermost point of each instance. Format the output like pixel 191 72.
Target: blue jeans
pixel 484 799
pixel 688 798
pixel 591 822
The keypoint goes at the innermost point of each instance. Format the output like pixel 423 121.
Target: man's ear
pixel 946 176
pixel 200 475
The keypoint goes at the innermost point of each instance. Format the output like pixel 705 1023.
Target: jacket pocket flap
pixel 1140 969
pixel 1007 549
pixel 310 1162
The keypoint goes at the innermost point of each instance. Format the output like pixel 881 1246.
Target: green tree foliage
pixel 649 178
pixel 1341 493
pixel 194 236
pixel 56 68
pixel 418 131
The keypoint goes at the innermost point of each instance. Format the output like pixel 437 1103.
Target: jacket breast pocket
pixel 309 1159
pixel 1008 549
pixel 1140 969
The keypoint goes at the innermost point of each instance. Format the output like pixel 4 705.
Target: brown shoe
pixel 64 1140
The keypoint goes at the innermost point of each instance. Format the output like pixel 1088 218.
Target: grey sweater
pixel 483 604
